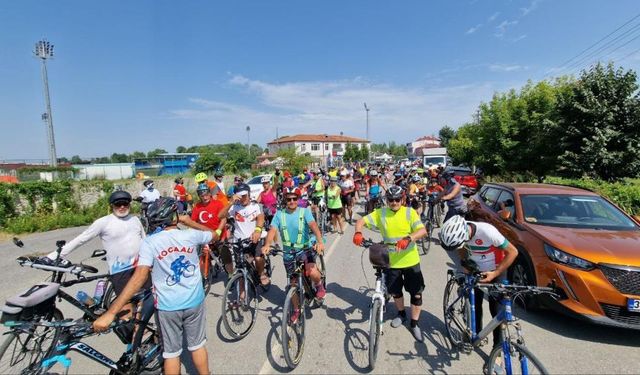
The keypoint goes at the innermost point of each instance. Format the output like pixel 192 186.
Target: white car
pixel 255 185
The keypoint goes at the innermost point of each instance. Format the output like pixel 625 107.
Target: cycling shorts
pixel 290 260
pixel 335 211
pixel 346 199
pixel 119 280
pixel 409 278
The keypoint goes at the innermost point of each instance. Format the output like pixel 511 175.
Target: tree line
pixel 572 127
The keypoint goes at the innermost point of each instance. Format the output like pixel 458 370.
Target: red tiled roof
pixel 428 138
pixel 317 138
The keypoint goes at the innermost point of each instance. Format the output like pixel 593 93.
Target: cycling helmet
pixel 416 178
pixel 218 174
pixel 454 233
pixel 333 178
pixel 448 174
pixel 373 173
pixel 201 177
pixel 162 212
pixel 119 196
pixel 242 189
pixel 394 192
pixel 265 179
pixel 292 190
pixel 148 183
pixel 203 187
pixel 178 180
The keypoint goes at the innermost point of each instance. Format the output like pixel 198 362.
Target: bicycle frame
pixel 379 294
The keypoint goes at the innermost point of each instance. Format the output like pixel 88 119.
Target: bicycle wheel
pixel 189 270
pixel 21 352
pixel 456 311
pixel 292 331
pixel 150 352
pixel 374 332
pixel 239 306
pixel 522 361
pixel 321 267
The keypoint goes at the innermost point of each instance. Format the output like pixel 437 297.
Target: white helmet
pixel 373 173
pixel 454 233
pixel 265 179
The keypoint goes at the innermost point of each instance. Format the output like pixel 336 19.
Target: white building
pixel 317 145
pixel 415 148
pixel 113 171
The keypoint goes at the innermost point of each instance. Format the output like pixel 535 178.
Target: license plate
pixel 633 304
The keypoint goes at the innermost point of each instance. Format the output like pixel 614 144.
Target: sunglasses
pixel 392 200
pixel 291 199
pixel 121 204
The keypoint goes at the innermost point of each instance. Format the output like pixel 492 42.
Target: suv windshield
pixel 434 160
pixel 574 211
pixel 254 181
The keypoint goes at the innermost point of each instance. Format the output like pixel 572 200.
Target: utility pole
pixel 367 110
pixel 44 51
pixel 248 141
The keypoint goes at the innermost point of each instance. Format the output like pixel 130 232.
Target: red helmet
pixel 292 190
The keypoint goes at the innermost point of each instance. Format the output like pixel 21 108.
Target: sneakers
pixel 320 291
pixel 417 333
pixel 293 319
pixel 398 321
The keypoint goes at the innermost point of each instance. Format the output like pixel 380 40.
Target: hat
pixel 242 189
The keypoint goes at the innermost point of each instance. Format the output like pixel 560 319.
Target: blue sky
pixel 136 75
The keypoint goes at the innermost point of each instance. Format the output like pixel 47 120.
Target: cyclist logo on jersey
pixel 180 267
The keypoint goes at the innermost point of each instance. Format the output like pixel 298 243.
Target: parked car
pixel 466 178
pixel 573 238
pixel 256 185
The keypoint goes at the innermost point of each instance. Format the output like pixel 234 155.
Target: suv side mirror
pixel 504 215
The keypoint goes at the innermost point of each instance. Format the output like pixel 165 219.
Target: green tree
pixel 293 161
pixel 379 148
pixel 137 155
pixel 156 152
pixel 364 153
pixel 445 134
pixel 75 159
pixel 599 121
pixel 350 153
pixel 119 158
pixel 181 149
pixel 208 162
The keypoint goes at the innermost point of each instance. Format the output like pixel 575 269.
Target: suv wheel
pixel 521 273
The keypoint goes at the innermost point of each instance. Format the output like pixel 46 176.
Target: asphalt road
pixel 337 333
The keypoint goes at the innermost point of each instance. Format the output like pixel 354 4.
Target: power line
pixel 600 40
pixel 603 48
pixel 629 55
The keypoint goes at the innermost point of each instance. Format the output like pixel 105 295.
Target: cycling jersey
pixel 245 219
pixel 374 191
pixel 149 196
pixel 269 201
pixel 394 226
pixel 318 188
pixel 294 228
pixel 456 202
pixel 333 198
pixel 207 214
pixel 173 257
pixel 486 246
pixel 217 192
pixel 121 238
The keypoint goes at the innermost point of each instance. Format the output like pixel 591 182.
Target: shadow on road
pixel 564 325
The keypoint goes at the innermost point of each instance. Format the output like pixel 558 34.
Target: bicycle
pixel 303 290
pixel 430 221
pixel 373 203
pixel 68 335
pixel 38 304
pixel 210 266
pixel 377 308
pixel 460 323
pixel 184 270
pixel 240 298
pixel 321 213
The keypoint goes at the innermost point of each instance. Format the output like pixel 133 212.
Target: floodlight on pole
pixel 44 51
pixel 367 110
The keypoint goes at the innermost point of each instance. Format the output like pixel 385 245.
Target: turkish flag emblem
pixel 478 242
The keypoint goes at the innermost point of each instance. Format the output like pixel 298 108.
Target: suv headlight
pixel 567 259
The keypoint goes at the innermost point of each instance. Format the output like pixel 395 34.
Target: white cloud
pixel 493 17
pixel 530 8
pixel 501 29
pixel 473 29
pixel 397 113
pixel 519 38
pixel 506 68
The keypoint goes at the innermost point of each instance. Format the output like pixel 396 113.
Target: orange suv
pixel 574 237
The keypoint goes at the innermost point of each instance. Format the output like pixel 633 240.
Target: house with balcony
pixel 317 145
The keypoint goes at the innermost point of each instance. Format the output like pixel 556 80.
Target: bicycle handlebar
pixel 74 269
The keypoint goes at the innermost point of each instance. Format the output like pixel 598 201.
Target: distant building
pixel 110 171
pixel 169 163
pixel 415 148
pixel 317 145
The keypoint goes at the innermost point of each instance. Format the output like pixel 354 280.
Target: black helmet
pixel 394 192
pixel 202 187
pixel 448 174
pixel 119 196
pixel 162 211
pixel 242 187
pixel 146 183
pixel 178 180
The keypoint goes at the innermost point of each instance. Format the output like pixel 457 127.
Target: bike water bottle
pixel 99 291
pixel 85 298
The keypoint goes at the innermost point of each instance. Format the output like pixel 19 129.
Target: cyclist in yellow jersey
pixel 400 227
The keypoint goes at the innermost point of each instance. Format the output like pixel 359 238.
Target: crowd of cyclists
pixel 395 199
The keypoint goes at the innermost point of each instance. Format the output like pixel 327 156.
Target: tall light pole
pixel 367 110
pixel 44 51
pixel 248 142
